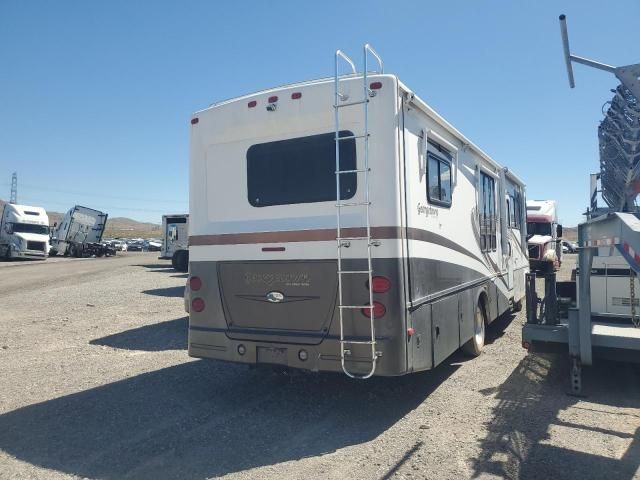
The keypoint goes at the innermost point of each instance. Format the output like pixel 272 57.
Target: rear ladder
pixel 340 101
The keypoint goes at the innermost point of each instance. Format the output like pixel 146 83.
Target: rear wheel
pixel 475 344
pixel 517 306
pixel 181 261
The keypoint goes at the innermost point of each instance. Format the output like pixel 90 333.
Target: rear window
pixel 300 170
pixel 176 220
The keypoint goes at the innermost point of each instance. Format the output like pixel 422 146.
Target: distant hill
pixel 116 226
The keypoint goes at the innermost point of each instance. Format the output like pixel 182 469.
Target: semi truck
pixel 24 232
pixel 79 234
pixel 175 241
pixel 544 235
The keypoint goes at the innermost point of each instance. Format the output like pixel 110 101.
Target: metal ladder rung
pixel 358 170
pixel 359 342
pixel 352 204
pixel 342 272
pixel 352 137
pixel 352 307
pixel 353 238
pixel 350 104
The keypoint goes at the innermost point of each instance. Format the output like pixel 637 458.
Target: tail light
pixel 197 305
pixel 378 310
pixel 252 104
pixel 375 85
pixel 195 283
pixel 380 284
pixel 273 99
pixel 296 95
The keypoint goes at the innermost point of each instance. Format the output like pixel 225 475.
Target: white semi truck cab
pixel 544 235
pixel 24 232
pixel 175 240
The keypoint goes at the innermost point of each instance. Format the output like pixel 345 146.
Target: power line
pixel 106 207
pixel 99 195
pixel 13 198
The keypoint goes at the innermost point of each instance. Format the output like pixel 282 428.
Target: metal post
pixel 532 297
pixel 565 45
pixel 550 300
pixel 585 260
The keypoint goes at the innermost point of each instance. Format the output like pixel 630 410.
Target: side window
pixel 439 180
pixel 487 213
pixel 514 201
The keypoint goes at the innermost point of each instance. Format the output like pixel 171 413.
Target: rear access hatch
pixel 278 300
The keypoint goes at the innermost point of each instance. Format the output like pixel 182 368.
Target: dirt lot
pixel 95 383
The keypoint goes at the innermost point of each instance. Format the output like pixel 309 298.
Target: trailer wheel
pixel 474 346
pixel 182 261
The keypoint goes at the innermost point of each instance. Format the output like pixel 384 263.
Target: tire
pixel 182 261
pixel 517 306
pixel 173 261
pixel 7 253
pixel 474 345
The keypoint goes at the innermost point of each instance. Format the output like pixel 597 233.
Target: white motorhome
pixel 385 268
pixel 544 235
pixel 79 233
pixel 24 232
pixel 175 240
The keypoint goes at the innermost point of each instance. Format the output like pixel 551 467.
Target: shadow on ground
pixel 166 292
pixel 206 419
pixel 529 407
pixel 157 267
pixel 169 335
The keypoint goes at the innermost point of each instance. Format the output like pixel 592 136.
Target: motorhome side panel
pixel 453 236
pixel 266 250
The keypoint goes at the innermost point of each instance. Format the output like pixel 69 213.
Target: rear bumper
pixel 325 356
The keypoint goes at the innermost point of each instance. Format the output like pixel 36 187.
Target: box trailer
pixel 79 234
pixel 342 224
pixel 24 232
pixel 175 241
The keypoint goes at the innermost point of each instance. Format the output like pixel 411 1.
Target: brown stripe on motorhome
pixel 328 234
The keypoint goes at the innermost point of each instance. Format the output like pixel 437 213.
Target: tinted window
pixel 176 220
pixel 30 228
pixel 300 170
pixel 487 213
pixel 439 181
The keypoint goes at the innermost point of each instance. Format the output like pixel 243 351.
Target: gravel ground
pixel 95 383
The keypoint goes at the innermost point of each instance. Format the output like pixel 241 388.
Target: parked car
pixel 152 245
pixel 134 246
pixel 569 247
pixel 119 245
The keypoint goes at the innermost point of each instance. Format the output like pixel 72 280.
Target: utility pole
pixel 14 188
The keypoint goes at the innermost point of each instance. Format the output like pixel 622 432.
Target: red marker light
pixel 252 104
pixel 380 284
pixel 411 331
pixel 378 310
pixel 195 283
pixel 375 85
pixel 273 99
pixel 197 305
pixel 296 96
pixel 194 121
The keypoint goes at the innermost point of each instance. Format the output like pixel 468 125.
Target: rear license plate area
pixel 272 355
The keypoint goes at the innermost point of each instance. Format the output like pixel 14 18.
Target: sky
pixel 96 97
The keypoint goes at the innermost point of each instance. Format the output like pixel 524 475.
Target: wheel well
pixel 483 301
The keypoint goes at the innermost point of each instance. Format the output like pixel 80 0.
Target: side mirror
pixel 559 231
